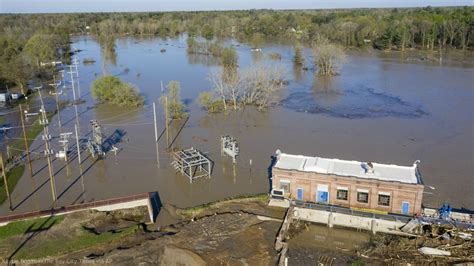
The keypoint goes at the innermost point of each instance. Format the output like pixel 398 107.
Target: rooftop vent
pixel 368 168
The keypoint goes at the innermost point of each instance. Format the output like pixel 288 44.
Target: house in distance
pixel 360 185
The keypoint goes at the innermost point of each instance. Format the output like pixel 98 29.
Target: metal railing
pixel 344 210
pixel 71 208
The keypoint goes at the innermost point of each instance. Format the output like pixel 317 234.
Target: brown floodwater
pixel 318 241
pixel 384 107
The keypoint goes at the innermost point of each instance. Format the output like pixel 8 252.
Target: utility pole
pixel 8 152
pixel 4 173
pixel 44 121
pixel 72 84
pixel 55 86
pixel 166 119
pixel 77 76
pixel 63 79
pixel 74 94
pixel 26 141
pixel 77 144
pixel 156 136
pixel 80 162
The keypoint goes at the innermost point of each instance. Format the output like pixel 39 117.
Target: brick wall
pixel 399 192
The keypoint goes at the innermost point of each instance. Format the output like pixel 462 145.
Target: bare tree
pixel 257 85
pixel 233 82
pixel 260 84
pixel 328 57
pixel 218 83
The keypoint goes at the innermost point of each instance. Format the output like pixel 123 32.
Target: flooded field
pixel 384 107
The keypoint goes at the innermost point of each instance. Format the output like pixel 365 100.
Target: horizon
pixel 144 6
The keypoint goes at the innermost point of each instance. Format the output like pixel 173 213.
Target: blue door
pixel 405 207
pixel 299 194
pixel 322 197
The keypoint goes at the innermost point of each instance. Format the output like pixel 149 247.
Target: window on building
pixel 384 200
pixel 363 197
pixel 285 185
pixel 342 194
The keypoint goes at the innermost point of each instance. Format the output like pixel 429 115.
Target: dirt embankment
pixel 223 233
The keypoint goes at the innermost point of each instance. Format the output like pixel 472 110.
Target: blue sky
pixel 48 6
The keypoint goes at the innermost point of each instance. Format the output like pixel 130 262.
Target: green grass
pixel 12 178
pixel 82 239
pixel 21 227
pixel 18 145
pixel 33 131
pixel 2 119
pixel 73 240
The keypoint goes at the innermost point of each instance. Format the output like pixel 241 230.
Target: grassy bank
pixel 80 239
pixel 12 177
pixel 22 227
pixel 18 146
pixel 32 132
pixel 54 237
pixel 197 209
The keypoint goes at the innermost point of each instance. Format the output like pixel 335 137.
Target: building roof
pixel 383 172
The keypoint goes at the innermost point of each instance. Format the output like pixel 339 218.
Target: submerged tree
pixel 298 58
pixel 205 100
pixel 328 57
pixel 229 57
pixel 257 85
pixel 172 101
pixel 261 83
pixel 110 89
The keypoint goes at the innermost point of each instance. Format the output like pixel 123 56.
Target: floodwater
pixel 384 107
pixel 318 241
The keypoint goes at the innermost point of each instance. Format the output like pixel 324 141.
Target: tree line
pixel 421 28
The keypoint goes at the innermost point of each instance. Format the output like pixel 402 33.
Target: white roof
pixel 384 172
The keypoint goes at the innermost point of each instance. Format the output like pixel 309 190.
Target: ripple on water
pixel 357 103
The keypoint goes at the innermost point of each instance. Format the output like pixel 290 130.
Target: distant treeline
pixel 422 28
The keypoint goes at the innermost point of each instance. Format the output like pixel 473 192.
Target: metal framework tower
pixel 230 147
pixel 94 144
pixel 192 163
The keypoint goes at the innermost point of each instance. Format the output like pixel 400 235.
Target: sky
pixel 61 6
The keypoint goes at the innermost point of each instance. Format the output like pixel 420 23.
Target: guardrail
pixel 343 210
pixel 72 208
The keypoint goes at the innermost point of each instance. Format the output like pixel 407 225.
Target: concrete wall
pixel 121 206
pixel 308 181
pixel 346 220
pixel 126 202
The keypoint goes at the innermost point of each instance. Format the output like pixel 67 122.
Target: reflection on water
pixel 298 73
pixel 107 52
pixel 326 91
pixel 257 56
pixel 202 59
